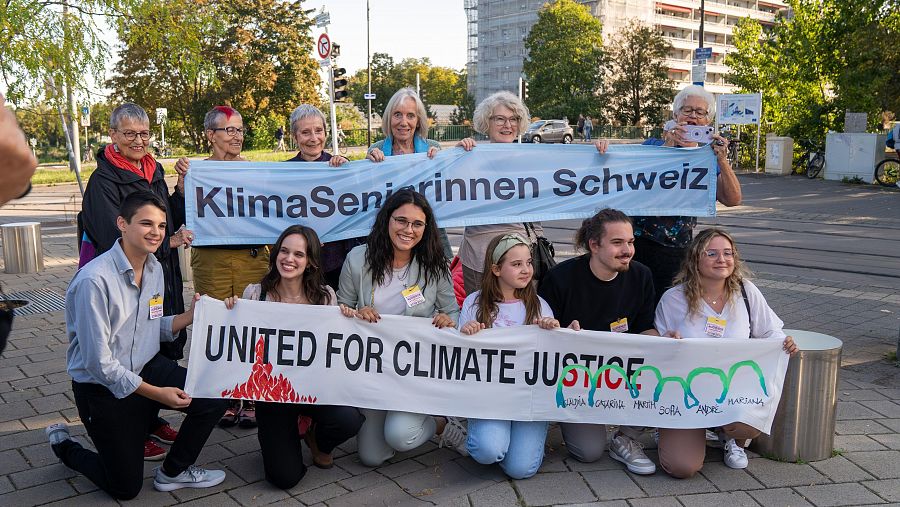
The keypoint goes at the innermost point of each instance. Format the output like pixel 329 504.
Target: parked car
pixel 548 131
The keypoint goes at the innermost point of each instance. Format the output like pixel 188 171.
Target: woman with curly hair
pixel 401 270
pixel 712 298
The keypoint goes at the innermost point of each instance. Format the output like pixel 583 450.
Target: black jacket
pixel 106 189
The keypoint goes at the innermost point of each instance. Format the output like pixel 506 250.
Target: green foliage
pixel 639 86
pixel 188 56
pixel 47 40
pixel 438 85
pixel 819 60
pixel 565 61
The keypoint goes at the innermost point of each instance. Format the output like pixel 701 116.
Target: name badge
pixel 619 326
pixel 413 296
pixel 715 327
pixel 156 307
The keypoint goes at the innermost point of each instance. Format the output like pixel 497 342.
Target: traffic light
pixel 335 50
pixel 524 90
pixel 338 83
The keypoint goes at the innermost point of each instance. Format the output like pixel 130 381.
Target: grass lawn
pixel 56 175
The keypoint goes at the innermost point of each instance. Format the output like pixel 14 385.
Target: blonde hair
pixel 481 118
pixel 689 274
pixel 394 103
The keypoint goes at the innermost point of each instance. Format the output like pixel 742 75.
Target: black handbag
pixel 542 252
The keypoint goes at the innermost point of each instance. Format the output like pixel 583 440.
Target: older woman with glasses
pixel 405 128
pixel 660 242
pixel 712 285
pixel 124 167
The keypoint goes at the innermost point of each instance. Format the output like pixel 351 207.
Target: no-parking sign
pixel 323 46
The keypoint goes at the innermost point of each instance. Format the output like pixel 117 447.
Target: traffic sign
pixel 703 53
pixel 323 46
pixel 161 114
pixel 698 72
pixel 85 116
pixel 369 96
pixel 323 19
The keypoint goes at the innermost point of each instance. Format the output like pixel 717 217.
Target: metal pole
pixel 87 147
pixel 417 86
pixel 369 79
pixel 758 128
pixel 162 147
pixel 702 15
pixel 334 131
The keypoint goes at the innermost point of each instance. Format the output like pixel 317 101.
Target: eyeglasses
pixel 231 131
pixel 693 111
pixel 130 135
pixel 714 254
pixel 503 120
pixel 404 223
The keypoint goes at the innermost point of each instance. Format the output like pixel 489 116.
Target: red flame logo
pixel 262 386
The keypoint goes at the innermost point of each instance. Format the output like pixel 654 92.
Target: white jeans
pixel 386 432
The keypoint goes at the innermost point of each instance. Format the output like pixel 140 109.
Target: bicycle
pixel 887 172
pixel 814 156
pixel 733 152
pixel 342 142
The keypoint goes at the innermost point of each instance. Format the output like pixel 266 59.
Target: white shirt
pixel 672 315
pixel 388 297
pixel 508 314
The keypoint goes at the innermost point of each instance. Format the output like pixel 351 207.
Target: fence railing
pixel 357 137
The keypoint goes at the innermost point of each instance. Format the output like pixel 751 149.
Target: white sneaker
pixel 193 477
pixel 735 457
pixel 454 436
pixel 630 452
pixel 57 433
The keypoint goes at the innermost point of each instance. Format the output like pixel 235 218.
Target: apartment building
pixel 497 30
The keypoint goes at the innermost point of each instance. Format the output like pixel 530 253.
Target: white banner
pixel 312 354
pixel 251 203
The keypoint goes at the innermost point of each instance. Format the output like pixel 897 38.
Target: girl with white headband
pixel 507 298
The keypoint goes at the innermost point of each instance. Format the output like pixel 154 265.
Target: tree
pixel 438 85
pixel 188 56
pixel 564 61
pixel 820 59
pixel 639 86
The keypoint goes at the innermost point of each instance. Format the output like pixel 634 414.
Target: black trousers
pixel 663 261
pixel 118 428
pixel 279 437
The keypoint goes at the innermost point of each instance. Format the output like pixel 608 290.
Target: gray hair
pixel 482 115
pixel 214 115
pixel 129 111
pixel 394 103
pixel 304 111
pixel 695 91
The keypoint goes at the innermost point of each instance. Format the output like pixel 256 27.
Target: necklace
pixel 714 300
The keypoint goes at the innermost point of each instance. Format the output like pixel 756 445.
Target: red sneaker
pixel 165 434
pixel 153 452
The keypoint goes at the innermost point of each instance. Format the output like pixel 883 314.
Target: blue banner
pixel 230 203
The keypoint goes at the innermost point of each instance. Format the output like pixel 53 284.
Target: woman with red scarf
pixel 123 167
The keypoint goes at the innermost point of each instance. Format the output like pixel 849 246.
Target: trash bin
pixel 803 428
pixel 22 247
pixel 779 155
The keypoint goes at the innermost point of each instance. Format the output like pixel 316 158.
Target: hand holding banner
pixel 312 354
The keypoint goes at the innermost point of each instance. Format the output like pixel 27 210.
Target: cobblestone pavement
pixel 865 469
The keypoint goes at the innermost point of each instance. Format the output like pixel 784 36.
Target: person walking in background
pixel 588 127
pixel 279 138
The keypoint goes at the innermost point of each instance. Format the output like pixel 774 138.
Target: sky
pixel 401 28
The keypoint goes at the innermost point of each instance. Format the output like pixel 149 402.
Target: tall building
pixel 497 30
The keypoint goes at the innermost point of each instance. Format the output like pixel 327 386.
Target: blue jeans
pixel 587 133
pixel 518 446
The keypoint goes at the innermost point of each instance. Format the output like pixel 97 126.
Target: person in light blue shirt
pixel 115 323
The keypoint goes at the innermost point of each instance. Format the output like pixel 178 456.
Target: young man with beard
pixel 603 290
pixel 115 322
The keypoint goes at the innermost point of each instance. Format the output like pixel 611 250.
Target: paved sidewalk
pixel 865 470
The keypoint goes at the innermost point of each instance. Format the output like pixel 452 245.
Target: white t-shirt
pixel 508 314
pixel 388 296
pixel 672 315
pixel 254 290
